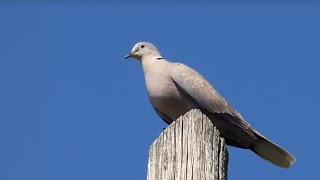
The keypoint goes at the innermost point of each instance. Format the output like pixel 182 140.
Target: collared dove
pixel 175 88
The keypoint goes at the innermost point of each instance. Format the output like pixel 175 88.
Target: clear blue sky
pixel 72 109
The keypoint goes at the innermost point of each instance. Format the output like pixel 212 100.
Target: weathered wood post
pixel 189 149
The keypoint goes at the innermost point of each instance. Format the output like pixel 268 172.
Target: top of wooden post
pixel 190 148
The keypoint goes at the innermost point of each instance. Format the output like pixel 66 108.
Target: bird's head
pixel 142 50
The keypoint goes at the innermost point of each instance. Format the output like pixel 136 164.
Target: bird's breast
pixel 163 93
pixel 166 97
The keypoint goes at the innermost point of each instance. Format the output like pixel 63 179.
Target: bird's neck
pixel 152 64
pixel 151 57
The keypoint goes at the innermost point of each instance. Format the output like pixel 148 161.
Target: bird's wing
pixel 193 84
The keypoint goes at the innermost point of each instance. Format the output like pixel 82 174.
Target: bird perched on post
pixel 175 89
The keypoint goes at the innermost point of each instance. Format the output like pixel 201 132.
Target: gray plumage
pixel 175 88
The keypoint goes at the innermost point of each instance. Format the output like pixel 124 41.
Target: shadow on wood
pixel 189 149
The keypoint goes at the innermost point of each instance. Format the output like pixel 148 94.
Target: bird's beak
pixel 128 56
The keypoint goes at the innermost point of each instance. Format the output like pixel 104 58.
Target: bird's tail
pixel 272 152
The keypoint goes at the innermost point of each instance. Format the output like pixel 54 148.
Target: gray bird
pixel 175 89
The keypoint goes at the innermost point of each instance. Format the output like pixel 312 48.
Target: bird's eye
pixel 142 46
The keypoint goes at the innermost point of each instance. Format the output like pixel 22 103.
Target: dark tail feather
pixel 273 153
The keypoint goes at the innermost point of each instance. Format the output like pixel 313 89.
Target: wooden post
pixel 189 149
